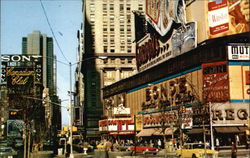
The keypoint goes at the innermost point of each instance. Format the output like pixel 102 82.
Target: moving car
pixel 196 150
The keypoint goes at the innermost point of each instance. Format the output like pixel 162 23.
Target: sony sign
pixel 20 58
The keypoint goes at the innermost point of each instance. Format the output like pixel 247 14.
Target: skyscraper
pixel 108 31
pixel 39 44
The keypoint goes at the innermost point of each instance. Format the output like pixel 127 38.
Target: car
pixel 196 150
pixel 7 152
pixel 142 149
pixel 100 146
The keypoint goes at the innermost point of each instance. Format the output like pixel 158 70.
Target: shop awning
pixel 195 131
pixel 230 129
pixel 146 132
pixel 168 131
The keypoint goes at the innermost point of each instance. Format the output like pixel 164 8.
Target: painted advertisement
pixel 162 13
pixel 178 118
pixel 151 51
pixel 215 82
pixel 239 51
pixel 227 17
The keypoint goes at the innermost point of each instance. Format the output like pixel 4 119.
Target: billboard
pixel 215 82
pixel 162 13
pixel 20 60
pixel 151 51
pixel 227 17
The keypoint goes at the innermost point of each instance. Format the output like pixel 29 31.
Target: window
pixel 129 61
pixel 104 6
pixel 111 7
pixel 121 7
pixel 123 60
pixel 105 50
pixel 140 7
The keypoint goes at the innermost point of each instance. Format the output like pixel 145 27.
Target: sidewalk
pixel 239 152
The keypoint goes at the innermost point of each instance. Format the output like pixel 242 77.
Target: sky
pixel 21 17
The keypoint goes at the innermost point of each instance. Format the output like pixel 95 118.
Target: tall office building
pixel 39 44
pixel 109 30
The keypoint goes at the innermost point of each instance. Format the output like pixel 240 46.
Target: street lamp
pixel 70 99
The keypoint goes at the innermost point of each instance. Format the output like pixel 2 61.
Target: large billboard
pixel 227 17
pixel 151 50
pixel 162 13
pixel 19 66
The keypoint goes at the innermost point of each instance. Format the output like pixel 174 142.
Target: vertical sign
pixel 215 81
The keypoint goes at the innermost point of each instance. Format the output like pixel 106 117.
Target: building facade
pixel 108 31
pixel 192 65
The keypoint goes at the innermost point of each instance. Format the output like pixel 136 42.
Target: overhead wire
pixel 44 11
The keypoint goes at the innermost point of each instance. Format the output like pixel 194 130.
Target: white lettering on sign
pixel 19 58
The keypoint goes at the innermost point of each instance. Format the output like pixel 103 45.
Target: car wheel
pixel 194 156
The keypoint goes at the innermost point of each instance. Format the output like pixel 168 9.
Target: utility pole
pixel 211 125
pixel 71 113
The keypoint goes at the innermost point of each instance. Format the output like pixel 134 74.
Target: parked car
pixel 141 149
pixel 7 152
pixel 196 150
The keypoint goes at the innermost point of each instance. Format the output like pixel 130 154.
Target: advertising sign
pixel 239 51
pixel 230 113
pixel 151 51
pixel 227 17
pixel 162 13
pixel 20 79
pixel 3 73
pixel 168 118
pixel 218 19
pixel 216 82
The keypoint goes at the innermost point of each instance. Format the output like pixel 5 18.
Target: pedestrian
pixel 234 150
pixel 217 143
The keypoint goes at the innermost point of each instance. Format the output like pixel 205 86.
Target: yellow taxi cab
pixel 196 150
pixel 100 146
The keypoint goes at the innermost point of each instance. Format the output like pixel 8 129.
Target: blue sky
pixel 20 17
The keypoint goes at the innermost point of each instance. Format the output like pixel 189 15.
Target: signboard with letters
pixel 238 51
pixel 216 82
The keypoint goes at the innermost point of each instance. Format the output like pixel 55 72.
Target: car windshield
pixel 198 146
